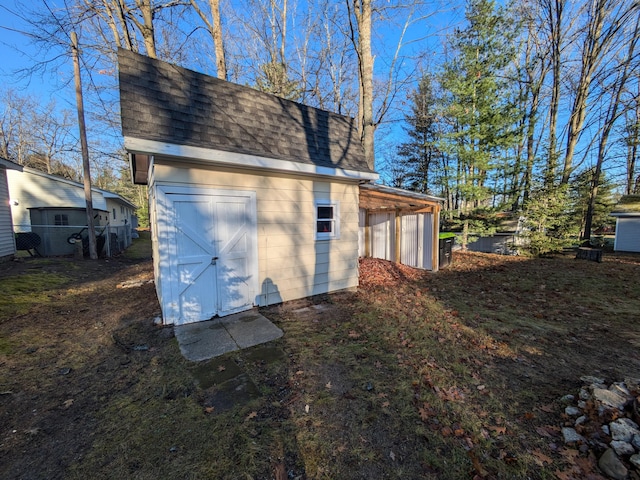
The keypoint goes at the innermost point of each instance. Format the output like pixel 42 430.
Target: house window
pixel 61 219
pixel 114 213
pixel 122 210
pixel 327 220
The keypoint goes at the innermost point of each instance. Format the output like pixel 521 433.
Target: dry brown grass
pixel 417 375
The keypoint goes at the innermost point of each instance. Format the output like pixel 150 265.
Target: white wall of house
pixel 292 263
pixel 120 213
pixel 7 241
pixel 34 189
pixel 627 234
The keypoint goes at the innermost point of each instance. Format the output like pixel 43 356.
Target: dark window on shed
pixel 61 219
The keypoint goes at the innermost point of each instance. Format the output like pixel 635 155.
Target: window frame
pixel 61 220
pixel 334 234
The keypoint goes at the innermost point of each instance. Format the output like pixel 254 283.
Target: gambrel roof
pixel 162 104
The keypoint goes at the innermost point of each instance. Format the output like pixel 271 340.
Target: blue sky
pixel 19 55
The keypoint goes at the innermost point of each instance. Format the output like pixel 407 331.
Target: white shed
pixel 7 239
pixel 253 198
pixel 627 213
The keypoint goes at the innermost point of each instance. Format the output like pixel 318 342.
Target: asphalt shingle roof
pixel 627 204
pixel 170 104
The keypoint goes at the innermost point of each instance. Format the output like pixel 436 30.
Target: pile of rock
pixel 605 418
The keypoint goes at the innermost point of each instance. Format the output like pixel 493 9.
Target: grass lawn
pixel 451 375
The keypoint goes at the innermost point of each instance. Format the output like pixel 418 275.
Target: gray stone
pixel 571 436
pixel 591 379
pixel 624 429
pixel 572 411
pixel 609 398
pixel 584 394
pixel 636 442
pixel 606 429
pixel 635 460
pixel 620 388
pixel 567 398
pixel 612 466
pixel 622 448
pixel 581 419
pixel 582 404
pixel 632 383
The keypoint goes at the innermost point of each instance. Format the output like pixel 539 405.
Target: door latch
pixel 213 260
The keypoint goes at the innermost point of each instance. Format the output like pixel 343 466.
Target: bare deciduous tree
pixel 214 26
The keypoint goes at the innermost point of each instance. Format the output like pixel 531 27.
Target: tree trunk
pixel 218 42
pixel 595 44
pixel 610 120
pixel 215 30
pixel 363 14
pixel 146 28
pixel 554 10
pixel 632 147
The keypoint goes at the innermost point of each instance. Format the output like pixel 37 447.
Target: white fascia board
pixel 626 214
pixel 153 147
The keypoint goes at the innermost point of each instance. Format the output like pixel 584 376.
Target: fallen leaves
pixel 375 272
pixel 251 416
pixel 498 430
pixel 541 459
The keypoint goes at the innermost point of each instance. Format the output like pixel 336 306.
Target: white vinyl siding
pixel 291 262
pixel 627 234
pixel 7 242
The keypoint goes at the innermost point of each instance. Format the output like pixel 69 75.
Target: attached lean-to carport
pixel 399 225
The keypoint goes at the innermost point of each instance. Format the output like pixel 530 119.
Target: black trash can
pixel 446 249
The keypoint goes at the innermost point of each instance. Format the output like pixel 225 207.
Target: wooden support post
pixel 435 248
pixel 398 235
pixel 367 235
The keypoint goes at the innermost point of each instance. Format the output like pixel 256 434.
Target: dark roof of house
pixel 8 164
pixel 628 204
pixel 170 104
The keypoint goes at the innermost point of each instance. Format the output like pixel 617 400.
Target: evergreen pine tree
pixel 418 156
pixel 479 104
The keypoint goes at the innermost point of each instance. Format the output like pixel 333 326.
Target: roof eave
pixel 625 214
pixel 233 159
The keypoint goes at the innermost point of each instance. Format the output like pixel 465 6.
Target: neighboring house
pixel 254 199
pixel 7 239
pixel 627 213
pixel 55 208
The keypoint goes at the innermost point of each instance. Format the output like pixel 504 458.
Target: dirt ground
pixel 89 341
pixel 64 355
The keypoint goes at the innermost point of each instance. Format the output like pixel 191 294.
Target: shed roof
pixel 165 103
pixel 628 205
pixel 381 197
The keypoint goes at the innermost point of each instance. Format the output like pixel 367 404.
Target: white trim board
pixel 153 147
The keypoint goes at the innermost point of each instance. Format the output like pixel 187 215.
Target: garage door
pixel 212 254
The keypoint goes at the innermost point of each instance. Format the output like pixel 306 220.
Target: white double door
pixel 212 252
